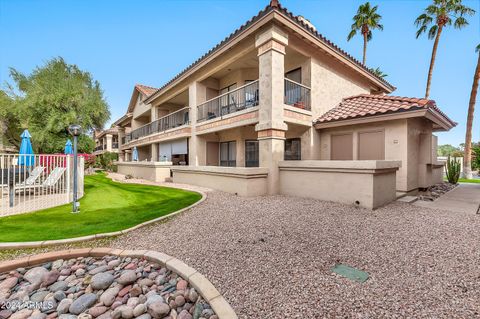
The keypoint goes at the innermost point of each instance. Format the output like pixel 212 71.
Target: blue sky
pixel 126 42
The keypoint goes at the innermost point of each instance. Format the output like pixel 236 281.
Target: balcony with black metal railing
pixel 244 97
pixel 297 95
pixel 170 121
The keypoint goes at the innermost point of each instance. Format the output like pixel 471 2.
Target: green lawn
pixel 474 181
pixel 463 180
pixel 106 207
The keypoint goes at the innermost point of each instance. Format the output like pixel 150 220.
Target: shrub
pixel 452 170
pixel 106 159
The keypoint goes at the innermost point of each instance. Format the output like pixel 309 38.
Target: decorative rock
pixel 184 315
pixel 139 310
pixel 98 270
pixel 50 277
pixel 124 291
pixel 97 311
pixel 39 296
pixel 35 275
pixel 182 285
pixel 127 277
pixel 59 295
pixel 144 316
pixel 158 309
pixel 83 303
pixel 132 302
pixel 192 295
pixel 66 316
pixel 57 263
pixel 80 272
pixel 154 298
pixel 58 286
pixel 108 297
pixel 84 316
pixel 22 314
pixel 5 313
pixel 63 306
pixel 207 313
pixel 114 263
pixel 126 311
pixel 135 291
pixel 8 283
pixel 102 281
pixel 179 301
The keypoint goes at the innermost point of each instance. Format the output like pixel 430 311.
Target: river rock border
pixel 206 289
pixel 45 243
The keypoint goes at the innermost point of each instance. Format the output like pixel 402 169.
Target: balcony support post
pixel 271 126
pixel 197 94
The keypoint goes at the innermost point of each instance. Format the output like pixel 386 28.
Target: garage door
pixel 371 145
pixel 342 147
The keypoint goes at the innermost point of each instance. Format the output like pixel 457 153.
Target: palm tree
pixel 366 20
pixel 378 72
pixel 471 109
pixel 441 14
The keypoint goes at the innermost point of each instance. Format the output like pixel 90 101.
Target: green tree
pixel 471 110
pixel 47 101
pixel 378 72
pixel 447 150
pixel 439 15
pixel 366 20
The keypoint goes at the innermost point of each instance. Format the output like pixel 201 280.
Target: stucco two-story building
pixel 106 141
pixel 276 108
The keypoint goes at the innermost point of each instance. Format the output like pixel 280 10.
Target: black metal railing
pixel 236 100
pixel 172 120
pixel 115 145
pixel 99 148
pixel 297 95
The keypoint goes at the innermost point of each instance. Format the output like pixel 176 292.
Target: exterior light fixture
pixel 75 130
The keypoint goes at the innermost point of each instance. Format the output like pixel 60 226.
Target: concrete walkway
pixel 465 198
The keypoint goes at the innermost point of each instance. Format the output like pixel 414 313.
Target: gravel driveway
pixel 271 257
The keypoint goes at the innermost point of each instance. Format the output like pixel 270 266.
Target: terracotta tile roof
pixel 146 90
pixel 276 6
pixel 365 105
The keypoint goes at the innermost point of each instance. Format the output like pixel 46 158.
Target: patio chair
pixel 54 177
pixel 32 177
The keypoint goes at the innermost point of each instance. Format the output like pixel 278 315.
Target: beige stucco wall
pixel 151 171
pixel 243 181
pixel 369 184
pixel 407 140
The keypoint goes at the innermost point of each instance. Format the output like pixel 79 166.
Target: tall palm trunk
pixel 432 61
pixel 468 135
pixel 365 40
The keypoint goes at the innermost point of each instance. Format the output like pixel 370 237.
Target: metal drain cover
pixel 350 272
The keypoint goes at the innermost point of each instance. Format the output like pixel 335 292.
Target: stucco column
pixel 121 135
pixel 154 152
pixel 109 138
pixel 197 93
pixel 271 126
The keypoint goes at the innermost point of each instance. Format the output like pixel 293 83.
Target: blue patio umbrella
pixel 135 154
pixel 68 147
pixel 26 156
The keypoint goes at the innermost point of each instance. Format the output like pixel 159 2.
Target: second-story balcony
pixel 244 97
pixel 297 95
pixel 167 122
pixel 99 148
pixel 115 145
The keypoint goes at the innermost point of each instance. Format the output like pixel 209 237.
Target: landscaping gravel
pixel 271 257
pixel 108 287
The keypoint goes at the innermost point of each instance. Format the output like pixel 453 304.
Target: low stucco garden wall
pixel 369 184
pixel 243 181
pixel 152 171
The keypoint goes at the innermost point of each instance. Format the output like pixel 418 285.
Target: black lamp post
pixel 75 130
